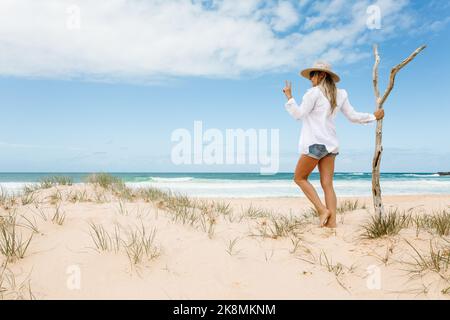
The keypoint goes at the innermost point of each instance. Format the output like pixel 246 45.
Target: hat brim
pixel 305 73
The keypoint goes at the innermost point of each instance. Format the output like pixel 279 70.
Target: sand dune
pixel 274 250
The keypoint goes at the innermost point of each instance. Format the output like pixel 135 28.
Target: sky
pixel 103 85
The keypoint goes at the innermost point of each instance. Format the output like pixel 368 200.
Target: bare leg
pixel 326 169
pixel 304 167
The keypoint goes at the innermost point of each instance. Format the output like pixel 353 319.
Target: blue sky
pixel 106 96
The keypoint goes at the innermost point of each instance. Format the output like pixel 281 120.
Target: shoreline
pixel 301 196
pixel 18 187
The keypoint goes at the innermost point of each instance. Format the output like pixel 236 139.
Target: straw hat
pixel 320 66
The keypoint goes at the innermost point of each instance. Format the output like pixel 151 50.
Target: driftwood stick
pixel 375 73
pixel 376 189
pixel 396 69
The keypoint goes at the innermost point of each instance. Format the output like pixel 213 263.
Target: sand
pixel 62 262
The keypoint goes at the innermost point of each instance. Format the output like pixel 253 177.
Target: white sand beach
pixel 252 249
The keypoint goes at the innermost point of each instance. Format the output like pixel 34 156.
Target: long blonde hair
pixel 328 88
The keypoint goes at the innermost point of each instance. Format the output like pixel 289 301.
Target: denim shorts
pixel 318 151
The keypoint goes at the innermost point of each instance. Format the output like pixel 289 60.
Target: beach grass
pixel 7 200
pixel 10 289
pixel 124 193
pixel 231 248
pixel 104 180
pixel 27 198
pixel 100 237
pixel 388 224
pixel 111 183
pixel 122 208
pixel 58 216
pixel 13 244
pixel 55 197
pixel 185 215
pixel 436 260
pixel 49 182
pixel 103 240
pixel 78 196
pixel 296 244
pixel 223 208
pixel 343 206
pixel 253 212
pixel 439 222
pixel 28 194
pixel 40 212
pixel 152 194
pixel 196 213
pixel 338 269
pixel 208 222
pixel 279 226
pixel 30 223
pixel 175 201
pixel 349 205
pixel 140 245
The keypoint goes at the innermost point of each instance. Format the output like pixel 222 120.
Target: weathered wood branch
pixel 396 69
pixel 376 189
pixel 375 73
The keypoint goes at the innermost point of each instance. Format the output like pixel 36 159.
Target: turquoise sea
pixel 254 184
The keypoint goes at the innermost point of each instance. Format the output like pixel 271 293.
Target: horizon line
pixel 190 172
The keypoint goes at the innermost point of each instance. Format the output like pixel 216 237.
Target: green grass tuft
pixel 49 182
pixel 12 243
pixel 388 224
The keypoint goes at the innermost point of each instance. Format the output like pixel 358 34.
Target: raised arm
pixel 298 112
pixel 353 116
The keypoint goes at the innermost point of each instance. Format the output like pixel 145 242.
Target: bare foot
pixel 331 222
pixel 323 216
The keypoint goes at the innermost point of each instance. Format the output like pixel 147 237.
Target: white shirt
pixel 318 122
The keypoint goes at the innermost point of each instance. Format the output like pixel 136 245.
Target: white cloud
pixel 33 146
pixel 437 25
pixel 237 8
pixel 285 17
pixel 133 39
pixel 325 11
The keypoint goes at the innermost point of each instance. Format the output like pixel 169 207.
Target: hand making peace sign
pixel 288 89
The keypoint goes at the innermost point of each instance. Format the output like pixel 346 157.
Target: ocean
pixel 254 184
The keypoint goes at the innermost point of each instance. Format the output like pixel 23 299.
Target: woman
pixel 318 142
